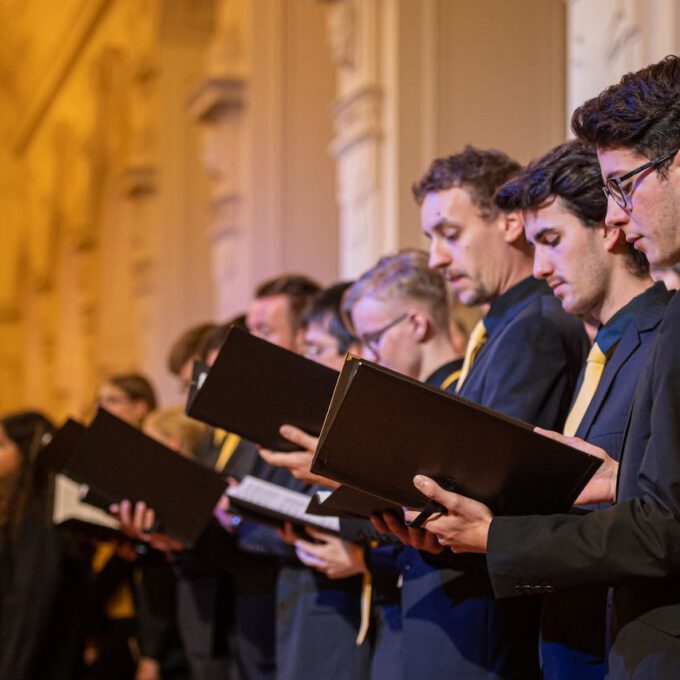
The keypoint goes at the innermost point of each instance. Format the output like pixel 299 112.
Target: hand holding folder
pixel 383 428
pixel 118 461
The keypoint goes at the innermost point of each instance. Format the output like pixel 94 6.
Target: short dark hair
pixel 570 172
pixel 215 338
pixel 641 112
pixel 298 288
pixel 135 386
pixel 325 308
pixel 479 171
pixel 188 346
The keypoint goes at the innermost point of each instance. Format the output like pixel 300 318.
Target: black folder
pixel 56 454
pixel 348 502
pixel 383 428
pixel 199 372
pixel 254 387
pixel 118 461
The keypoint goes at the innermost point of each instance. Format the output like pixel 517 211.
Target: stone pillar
pixel 361 39
pixel 385 121
pixel 218 104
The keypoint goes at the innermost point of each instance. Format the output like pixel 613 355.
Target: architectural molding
pixel 84 27
pixel 609 38
pixel 357 118
pixel 215 96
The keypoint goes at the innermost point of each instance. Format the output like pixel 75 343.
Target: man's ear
pixel 614 238
pixel 299 340
pixel 511 225
pixel 421 324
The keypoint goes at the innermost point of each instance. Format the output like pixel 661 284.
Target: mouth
pixel 633 238
pixel 453 277
pixel 556 286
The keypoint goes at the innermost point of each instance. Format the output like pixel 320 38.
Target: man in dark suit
pixel 318 618
pixel 596 275
pixel 523 360
pixel 633 546
pixel 229 577
pixel 400 312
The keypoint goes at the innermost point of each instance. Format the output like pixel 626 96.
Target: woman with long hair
pixel 40 582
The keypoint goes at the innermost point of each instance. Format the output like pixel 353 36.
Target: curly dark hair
pixel 641 112
pixel 479 171
pixel 570 172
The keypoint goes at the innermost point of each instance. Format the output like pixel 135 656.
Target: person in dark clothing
pixel 42 574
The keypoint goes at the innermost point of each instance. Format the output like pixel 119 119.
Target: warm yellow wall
pixel 108 194
pixel 110 248
pixel 311 217
pixel 499 69
pixel 159 157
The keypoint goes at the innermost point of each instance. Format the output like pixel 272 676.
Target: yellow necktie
pixel 366 597
pixel 591 378
pixel 477 340
pixel 229 443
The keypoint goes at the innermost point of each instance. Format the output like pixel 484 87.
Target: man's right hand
pixel 138 523
pixel 602 486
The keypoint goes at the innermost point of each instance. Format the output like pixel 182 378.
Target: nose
pixel 439 254
pixel 542 265
pixel 616 216
pixel 369 353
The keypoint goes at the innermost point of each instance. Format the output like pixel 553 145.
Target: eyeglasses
pixel 372 340
pixel 615 188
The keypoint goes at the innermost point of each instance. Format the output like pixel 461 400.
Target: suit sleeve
pixel 638 538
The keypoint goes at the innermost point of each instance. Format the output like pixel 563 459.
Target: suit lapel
pixel 645 322
pixel 626 347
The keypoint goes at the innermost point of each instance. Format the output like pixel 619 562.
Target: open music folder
pixel 269 503
pixel 348 502
pixel 383 428
pixel 254 387
pixel 118 461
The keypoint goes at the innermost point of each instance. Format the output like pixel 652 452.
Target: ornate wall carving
pixel 360 145
pixel 612 37
pixel 218 105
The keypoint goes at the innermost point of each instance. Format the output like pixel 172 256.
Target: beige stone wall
pixel 102 201
pixel 160 157
pixel 131 211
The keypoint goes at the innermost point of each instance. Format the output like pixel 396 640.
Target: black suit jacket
pixel 573 622
pixel 633 546
pixel 453 626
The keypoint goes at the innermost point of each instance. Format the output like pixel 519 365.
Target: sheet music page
pixel 281 500
pixel 67 505
pixel 322 496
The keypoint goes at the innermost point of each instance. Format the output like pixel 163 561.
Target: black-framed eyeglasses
pixel 620 194
pixel 372 340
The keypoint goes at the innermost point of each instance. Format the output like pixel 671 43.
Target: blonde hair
pixel 403 276
pixel 172 423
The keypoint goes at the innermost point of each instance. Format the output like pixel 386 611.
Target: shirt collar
pixel 437 378
pixel 610 333
pixel 513 300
